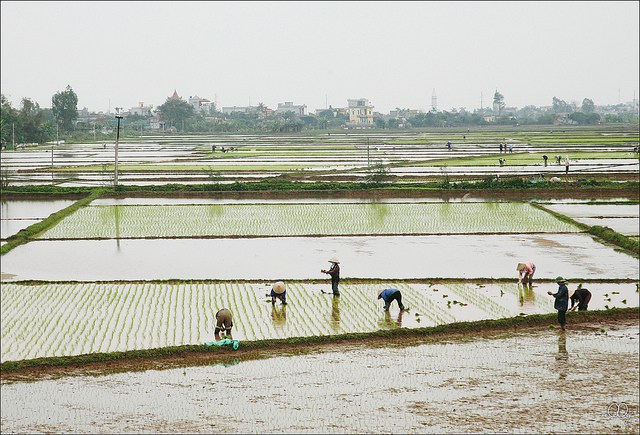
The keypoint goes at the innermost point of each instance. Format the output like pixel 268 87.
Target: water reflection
pixel 388 322
pixel 378 213
pixel 526 295
pixel 116 215
pixel 279 315
pixel 335 313
pixel 562 358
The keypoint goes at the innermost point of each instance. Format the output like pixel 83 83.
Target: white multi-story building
pixel 199 104
pixel 141 110
pixel 360 113
pixel 288 106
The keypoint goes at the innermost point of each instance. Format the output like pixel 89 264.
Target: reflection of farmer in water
pixel 279 316
pixel 398 321
pixel 526 294
pixel 334 271
pixel 334 320
pixel 562 358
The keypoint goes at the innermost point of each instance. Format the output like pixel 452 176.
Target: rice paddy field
pixel 344 156
pixel 128 273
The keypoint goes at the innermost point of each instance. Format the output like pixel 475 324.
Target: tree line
pixel 32 124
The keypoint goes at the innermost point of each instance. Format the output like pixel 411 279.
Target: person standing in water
pixel 334 271
pixel 562 301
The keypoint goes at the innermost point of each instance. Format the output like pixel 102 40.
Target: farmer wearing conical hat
pixel 525 272
pixel 562 301
pixel 279 291
pixel 334 271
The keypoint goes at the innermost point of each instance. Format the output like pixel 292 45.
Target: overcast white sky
pixel 116 54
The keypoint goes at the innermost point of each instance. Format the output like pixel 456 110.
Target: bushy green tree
pixel 64 105
pixel 31 122
pixel 588 106
pixel 8 119
pixel 176 112
pixel 561 106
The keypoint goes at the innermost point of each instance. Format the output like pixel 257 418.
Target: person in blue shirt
pixel 278 291
pixel 562 301
pixel 389 295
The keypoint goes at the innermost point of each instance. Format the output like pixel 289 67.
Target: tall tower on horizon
pixel 434 101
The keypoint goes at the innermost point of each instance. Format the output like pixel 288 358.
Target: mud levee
pixel 382 193
pixel 189 356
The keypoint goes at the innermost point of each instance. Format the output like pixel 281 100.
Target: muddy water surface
pixel 541 382
pixel 399 257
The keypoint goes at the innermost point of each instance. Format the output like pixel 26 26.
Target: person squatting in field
pixel 224 322
pixel 334 271
pixel 278 291
pixel 389 295
pixel 562 301
pixel 525 272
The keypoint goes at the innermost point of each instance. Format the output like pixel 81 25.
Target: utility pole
pixel 115 179
pixel 57 143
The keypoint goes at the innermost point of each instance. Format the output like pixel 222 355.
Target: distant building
pixel 199 104
pixel 175 96
pixel 405 113
pixel 240 109
pixel 141 110
pixel 360 113
pixel 288 106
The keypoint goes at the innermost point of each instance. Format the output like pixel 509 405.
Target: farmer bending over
pixel 223 322
pixel 389 295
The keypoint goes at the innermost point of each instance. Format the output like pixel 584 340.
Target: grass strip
pixel 284 184
pixel 182 356
pixel 32 231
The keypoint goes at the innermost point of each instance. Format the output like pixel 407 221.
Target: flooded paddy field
pixel 624 219
pixel 163 266
pixel 289 219
pixel 334 157
pixel 19 214
pixel 488 256
pixel 65 319
pixel 581 381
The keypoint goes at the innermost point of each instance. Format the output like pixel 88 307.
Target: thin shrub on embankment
pixel 182 356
